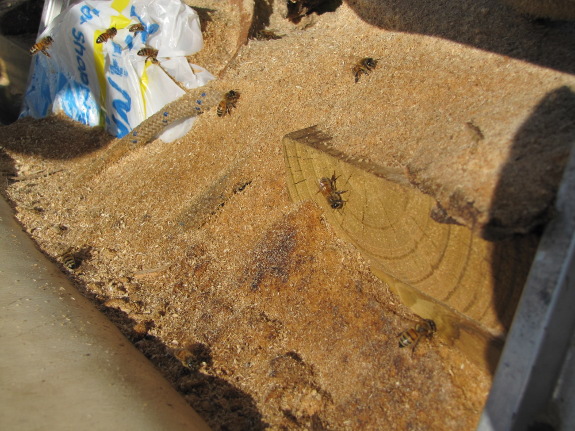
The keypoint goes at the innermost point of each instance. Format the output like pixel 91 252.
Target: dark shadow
pixel 8 168
pixel 53 137
pixel 525 193
pixel 10 98
pixel 19 22
pixel 528 183
pixel 205 15
pixel 222 405
pixel 489 25
pixel 20 17
pixel 297 9
pixel 261 18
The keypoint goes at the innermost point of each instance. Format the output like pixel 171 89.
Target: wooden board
pixel 468 285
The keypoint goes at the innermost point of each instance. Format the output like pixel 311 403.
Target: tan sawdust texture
pixel 194 246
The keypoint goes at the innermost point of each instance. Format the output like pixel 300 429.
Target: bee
pixel 42 46
pixel 136 28
pixel 70 259
pixel 108 34
pixel 195 356
pixel 328 188
pixel 188 359
pixel 364 66
pixel 266 35
pixel 149 53
pixel 228 103
pixel 412 337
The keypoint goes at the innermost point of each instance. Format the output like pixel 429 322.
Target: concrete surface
pixel 63 365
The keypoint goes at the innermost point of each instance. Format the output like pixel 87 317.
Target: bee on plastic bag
pixel 149 53
pixel 108 34
pixel 42 46
pixel 136 28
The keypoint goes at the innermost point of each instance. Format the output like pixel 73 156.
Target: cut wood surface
pixel 467 284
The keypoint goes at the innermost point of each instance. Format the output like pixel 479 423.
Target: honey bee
pixel 149 53
pixel 328 188
pixel 228 103
pixel 364 66
pixel 70 259
pixel 136 28
pixel 266 35
pixel 108 34
pixel 412 337
pixel 42 46
pixel 188 359
pixel 194 357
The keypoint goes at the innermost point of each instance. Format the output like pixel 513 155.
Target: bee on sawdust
pixel 70 259
pixel 136 28
pixel 266 35
pixel 412 336
pixel 194 356
pixel 42 46
pixel 364 66
pixel 149 53
pixel 228 103
pixel 328 188
pixel 188 359
pixel 108 34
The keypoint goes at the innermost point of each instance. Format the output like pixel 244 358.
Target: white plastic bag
pixel 108 83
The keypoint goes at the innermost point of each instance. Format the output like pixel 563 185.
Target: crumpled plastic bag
pixel 108 83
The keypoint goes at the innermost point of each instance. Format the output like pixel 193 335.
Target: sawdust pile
pixel 250 305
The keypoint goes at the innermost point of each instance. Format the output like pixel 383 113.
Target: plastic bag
pixel 116 80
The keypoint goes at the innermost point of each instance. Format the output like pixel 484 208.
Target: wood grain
pixel 468 285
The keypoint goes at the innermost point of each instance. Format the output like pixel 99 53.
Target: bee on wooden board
pixel 328 188
pixel 136 28
pixel 70 259
pixel 228 103
pixel 149 53
pixel 364 66
pixel 108 34
pixel 411 337
pixel 42 46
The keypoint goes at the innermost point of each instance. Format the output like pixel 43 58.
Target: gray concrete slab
pixel 63 365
